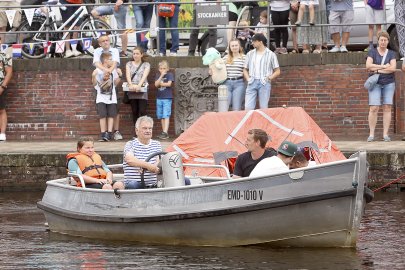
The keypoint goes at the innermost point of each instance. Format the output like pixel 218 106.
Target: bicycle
pixel 89 29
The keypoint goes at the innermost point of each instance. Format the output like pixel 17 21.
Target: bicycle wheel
pixel 90 30
pixel 36 40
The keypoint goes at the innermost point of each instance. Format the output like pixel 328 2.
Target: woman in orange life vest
pixel 89 164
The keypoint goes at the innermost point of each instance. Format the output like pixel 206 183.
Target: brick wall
pixel 54 98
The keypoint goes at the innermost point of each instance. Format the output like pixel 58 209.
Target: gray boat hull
pixel 315 207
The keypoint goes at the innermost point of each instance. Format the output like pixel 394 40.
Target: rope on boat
pixel 390 183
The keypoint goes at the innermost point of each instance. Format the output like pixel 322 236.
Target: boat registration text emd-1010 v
pixel 247 195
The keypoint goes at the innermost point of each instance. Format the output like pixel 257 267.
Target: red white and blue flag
pixel 17 50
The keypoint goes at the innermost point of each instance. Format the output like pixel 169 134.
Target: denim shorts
pixel 385 91
pixel 120 15
pixel 163 108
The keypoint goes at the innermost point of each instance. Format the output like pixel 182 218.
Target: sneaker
pixel 2 137
pixel 117 135
pixel 68 54
pixel 101 137
pixel 163 136
pixel 335 49
pixel 91 50
pixel 173 53
pixel 277 51
pixel 283 50
pixel 162 54
pixel 386 139
pixel 76 53
pixel 191 53
pixel 343 49
pixel 370 139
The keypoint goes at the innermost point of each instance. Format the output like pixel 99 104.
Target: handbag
pixel 165 10
pixel 373 79
pixel 125 87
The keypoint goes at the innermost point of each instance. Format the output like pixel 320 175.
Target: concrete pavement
pixel 118 146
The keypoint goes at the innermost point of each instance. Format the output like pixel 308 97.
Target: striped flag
pixel 17 50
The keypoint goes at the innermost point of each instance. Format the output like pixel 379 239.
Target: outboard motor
pixel 172 167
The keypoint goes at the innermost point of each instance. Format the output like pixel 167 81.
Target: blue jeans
pixel 254 90
pixel 119 15
pixel 385 91
pixel 143 16
pixel 173 23
pixel 236 93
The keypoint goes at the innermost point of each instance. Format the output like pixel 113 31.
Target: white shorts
pixel 309 2
pixel 374 16
pixel 341 17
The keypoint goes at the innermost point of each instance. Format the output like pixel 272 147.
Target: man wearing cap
pixel 256 145
pixel 276 164
pixel 261 67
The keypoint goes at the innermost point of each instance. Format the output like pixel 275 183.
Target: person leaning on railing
pixel 143 16
pixel 5 4
pixel 66 14
pixel 120 13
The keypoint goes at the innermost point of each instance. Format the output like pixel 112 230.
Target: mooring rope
pixel 390 183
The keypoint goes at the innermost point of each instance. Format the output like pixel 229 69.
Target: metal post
pixel 268 23
pixel 222 98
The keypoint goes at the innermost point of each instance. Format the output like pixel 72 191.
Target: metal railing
pixel 49 31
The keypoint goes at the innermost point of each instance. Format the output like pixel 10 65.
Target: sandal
pixel 316 51
pixel 123 54
pixel 294 51
pixel 305 51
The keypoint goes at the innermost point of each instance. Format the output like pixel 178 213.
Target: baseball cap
pixel 287 148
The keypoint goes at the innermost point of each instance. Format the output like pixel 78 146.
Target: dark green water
pixel 25 244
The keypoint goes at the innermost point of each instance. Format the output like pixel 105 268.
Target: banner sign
pixel 213 14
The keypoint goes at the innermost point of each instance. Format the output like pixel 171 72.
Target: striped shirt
pixel 268 62
pixel 235 70
pixel 141 151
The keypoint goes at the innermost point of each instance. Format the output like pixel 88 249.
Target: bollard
pixel 223 98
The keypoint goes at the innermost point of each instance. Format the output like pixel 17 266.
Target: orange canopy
pixel 227 131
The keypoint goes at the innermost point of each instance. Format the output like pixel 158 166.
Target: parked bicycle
pixel 90 28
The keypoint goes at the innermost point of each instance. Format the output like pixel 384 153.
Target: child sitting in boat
pixel 90 166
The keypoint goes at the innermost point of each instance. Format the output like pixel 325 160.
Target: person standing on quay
pixel 6 72
pixel 260 69
pixel 399 7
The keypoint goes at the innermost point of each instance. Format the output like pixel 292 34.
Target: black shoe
pixel 106 136
pixel 191 53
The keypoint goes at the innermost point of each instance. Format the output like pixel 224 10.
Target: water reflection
pixel 26 244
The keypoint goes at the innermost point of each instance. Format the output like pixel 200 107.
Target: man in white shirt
pixel 261 67
pixel 276 164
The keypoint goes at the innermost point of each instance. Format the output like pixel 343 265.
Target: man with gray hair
pixel 135 153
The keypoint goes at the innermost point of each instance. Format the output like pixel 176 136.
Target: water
pixel 25 244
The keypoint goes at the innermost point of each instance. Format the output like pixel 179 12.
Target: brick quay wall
pixel 53 99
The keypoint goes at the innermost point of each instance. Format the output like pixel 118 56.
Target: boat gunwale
pixel 56 183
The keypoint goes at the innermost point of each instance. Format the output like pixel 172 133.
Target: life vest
pixel 90 166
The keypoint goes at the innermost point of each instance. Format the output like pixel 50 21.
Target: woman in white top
pixel 234 67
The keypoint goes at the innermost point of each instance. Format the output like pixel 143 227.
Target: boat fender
pixel 172 167
pixel 368 195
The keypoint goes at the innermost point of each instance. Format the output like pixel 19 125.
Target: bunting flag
pixel 60 47
pixel 10 16
pixel 86 44
pixel 73 43
pixel 17 50
pixel 46 46
pixel 29 13
pixel 145 37
pixel 4 47
pixel 31 47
